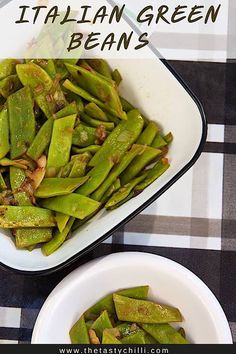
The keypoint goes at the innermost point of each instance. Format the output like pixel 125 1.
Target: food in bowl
pixel 127 317
pixel 69 145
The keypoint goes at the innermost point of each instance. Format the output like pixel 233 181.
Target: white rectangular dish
pixel 153 87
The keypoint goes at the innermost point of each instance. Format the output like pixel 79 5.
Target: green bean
pixel 30 237
pixel 126 105
pixel 182 332
pixel 4 133
pixel 142 311
pixel 102 322
pixel 127 328
pixel 84 64
pixel 47 93
pixel 69 110
pixel 152 174
pixel 112 189
pixel 12 217
pixel 41 141
pixel 72 97
pixel 60 146
pixel 121 139
pixel 61 69
pixel 92 110
pixel 96 177
pixel 98 87
pixel 148 135
pixel 85 136
pixel 91 148
pixel 66 170
pixel 117 170
pixel 89 324
pixel 159 142
pixel 169 138
pixel 123 193
pixel 123 201
pixel 164 333
pixel 101 66
pixel 138 164
pixel 80 163
pixel 109 338
pixel 53 187
pixel 9 85
pixel 96 123
pixel 149 339
pixel 62 220
pixel 79 332
pixel 21 121
pixel 136 338
pixel 7 67
pixel 3 185
pixel 78 223
pixel 58 239
pixel 90 98
pixel 106 303
pixel 17 178
pixel 116 75
pixel 78 206
pixel 48 65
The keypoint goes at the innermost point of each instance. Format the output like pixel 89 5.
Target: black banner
pixel 116 349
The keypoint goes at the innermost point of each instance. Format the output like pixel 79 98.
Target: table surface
pixel 193 223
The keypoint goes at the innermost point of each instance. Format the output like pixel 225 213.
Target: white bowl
pixel 152 86
pixel 170 283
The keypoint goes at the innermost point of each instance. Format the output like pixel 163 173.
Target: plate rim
pixel 79 271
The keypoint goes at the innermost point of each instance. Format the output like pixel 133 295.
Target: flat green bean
pixel 69 110
pixel 164 333
pixel 3 185
pixel 9 85
pixel 62 220
pixel 60 146
pixel 92 110
pixel 149 133
pixel 142 311
pixel 78 206
pixel 85 136
pixel 159 142
pixel 53 187
pixel 139 163
pixel 4 133
pixel 80 163
pixel 30 237
pixel 91 148
pixel 101 323
pixel 21 121
pixel 121 139
pixel 116 75
pixel 101 66
pixel 96 123
pixel 109 338
pixel 12 217
pixel 41 141
pixel 58 239
pixel 7 67
pixel 79 332
pixel 117 170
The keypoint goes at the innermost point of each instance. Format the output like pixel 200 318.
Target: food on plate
pixel 69 146
pixel 128 317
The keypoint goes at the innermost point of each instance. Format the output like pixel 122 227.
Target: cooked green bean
pixel 21 121
pixel 17 163
pixel 164 333
pixel 79 332
pixel 32 236
pixel 109 338
pixel 3 185
pixel 121 139
pixel 41 141
pixel 101 323
pixel 85 136
pixel 92 110
pixel 139 163
pixel 148 135
pixel 116 75
pixel 78 206
pixel 17 178
pixel 96 177
pixel 101 66
pixel 9 85
pixel 136 338
pixel 4 133
pixel 80 163
pixel 60 146
pixel 48 65
pixel 53 187
pixel 159 142
pixel 152 174
pixel 117 170
pixel 12 217
pixel 7 67
pixel 124 192
pixel 143 311
pixel 69 110
pixel 96 123
pixel 62 220
pixel 58 239
pixel 169 138
pixel 91 148
pixel 112 189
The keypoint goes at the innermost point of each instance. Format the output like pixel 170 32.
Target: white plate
pixel 170 283
pixel 152 87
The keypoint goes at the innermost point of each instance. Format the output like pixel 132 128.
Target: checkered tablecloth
pixel 193 223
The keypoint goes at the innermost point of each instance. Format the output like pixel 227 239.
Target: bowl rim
pixel 176 177
pixel 81 270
